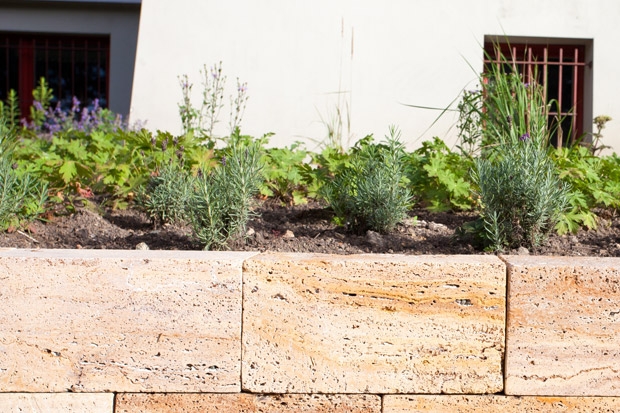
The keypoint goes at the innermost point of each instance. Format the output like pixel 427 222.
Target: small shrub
pixel 369 193
pixel 167 195
pixel 223 202
pixel 521 195
pixel 22 197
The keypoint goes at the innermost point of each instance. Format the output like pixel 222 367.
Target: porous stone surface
pixel 493 403
pixel 56 402
pixel 247 403
pixel 563 327
pixel 97 321
pixel 373 324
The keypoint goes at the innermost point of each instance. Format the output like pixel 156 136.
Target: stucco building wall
pixel 306 61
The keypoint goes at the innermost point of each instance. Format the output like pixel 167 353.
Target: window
pixel 560 69
pixel 73 65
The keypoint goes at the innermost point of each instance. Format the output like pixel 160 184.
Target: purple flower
pixel 524 137
pixel 38 105
pixel 223 161
pixel 85 115
pixel 75 104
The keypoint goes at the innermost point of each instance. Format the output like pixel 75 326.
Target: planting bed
pixel 311 226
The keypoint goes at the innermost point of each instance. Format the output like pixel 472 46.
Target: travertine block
pixel 247 403
pixel 56 402
pixel 93 321
pixel 563 327
pixel 373 324
pixel 504 404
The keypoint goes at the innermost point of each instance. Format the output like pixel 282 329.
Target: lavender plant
pixel 212 97
pixel 223 202
pixel 22 198
pixel 167 194
pixel 9 110
pixel 201 121
pixel 521 195
pixel 188 113
pixel 369 194
pixel 237 106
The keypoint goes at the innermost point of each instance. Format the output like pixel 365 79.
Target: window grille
pixel 73 65
pixel 560 70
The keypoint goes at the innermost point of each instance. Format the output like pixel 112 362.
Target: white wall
pixel 296 55
pixel 120 22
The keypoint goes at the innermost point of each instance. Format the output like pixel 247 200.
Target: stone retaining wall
pixel 159 331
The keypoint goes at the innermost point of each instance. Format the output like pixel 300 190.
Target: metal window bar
pixel 531 55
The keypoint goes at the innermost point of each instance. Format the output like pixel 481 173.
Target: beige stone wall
pixel 161 331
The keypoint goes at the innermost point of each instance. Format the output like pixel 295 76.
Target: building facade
pixel 326 70
pixel 83 48
pixel 356 67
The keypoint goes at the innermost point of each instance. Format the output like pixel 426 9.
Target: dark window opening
pixel 560 69
pixel 73 65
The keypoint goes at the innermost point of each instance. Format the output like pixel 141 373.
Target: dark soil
pixel 303 228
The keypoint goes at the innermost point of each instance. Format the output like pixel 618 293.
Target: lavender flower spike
pixel 524 137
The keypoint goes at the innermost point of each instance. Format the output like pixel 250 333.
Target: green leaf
pixel 299 198
pixel 68 171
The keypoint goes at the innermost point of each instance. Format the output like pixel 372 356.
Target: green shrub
pixel 223 202
pixel 369 193
pixel 22 197
pixel 520 192
pixel 166 196
pixel 521 195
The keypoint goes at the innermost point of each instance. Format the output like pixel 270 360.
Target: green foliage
pixel 324 166
pixel 22 197
pixel 9 110
pixel 520 192
pixel 521 196
pixel 284 174
pixel 594 183
pixel 78 165
pixel 222 204
pixel 369 193
pixel 75 161
pixel 167 195
pixel 470 123
pixel 502 111
pixel 440 178
pixel 42 96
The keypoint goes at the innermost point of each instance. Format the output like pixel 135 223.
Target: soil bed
pixel 302 228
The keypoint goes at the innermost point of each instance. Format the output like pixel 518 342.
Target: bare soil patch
pixel 302 228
